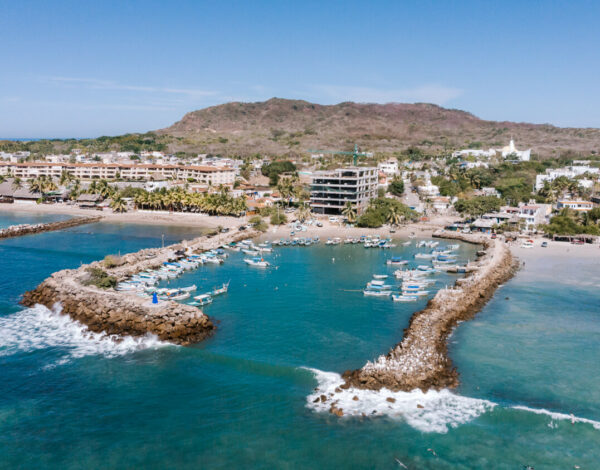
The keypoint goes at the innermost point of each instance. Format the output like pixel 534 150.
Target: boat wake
pixel 432 411
pixel 40 328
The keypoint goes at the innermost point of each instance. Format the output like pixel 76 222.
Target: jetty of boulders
pixel 124 313
pixel 421 359
pixel 28 229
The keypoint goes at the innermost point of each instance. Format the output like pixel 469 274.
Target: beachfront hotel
pixel 331 190
pixel 209 175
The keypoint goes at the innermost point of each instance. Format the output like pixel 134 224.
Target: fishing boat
pixel 378 285
pixel 377 293
pixel 257 262
pixel 189 288
pixel 404 298
pixel 220 290
pixel 423 256
pixel 418 293
pixel 202 299
pixel 380 276
pixel 396 261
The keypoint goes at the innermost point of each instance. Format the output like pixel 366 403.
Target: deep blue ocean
pixel 243 399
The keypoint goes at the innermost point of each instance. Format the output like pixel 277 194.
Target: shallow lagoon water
pixel 240 399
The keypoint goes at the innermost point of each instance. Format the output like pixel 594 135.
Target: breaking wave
pixel 432 411
pixel 39 328
pixel 559 416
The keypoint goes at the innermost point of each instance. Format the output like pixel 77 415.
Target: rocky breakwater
pixel 122 313
pixel 28 229
pixel 421 359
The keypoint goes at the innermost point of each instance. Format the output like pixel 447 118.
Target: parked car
pixel 319 224
pixel 224 230
pixel 544 244
pixel 577 241
pixel 334 220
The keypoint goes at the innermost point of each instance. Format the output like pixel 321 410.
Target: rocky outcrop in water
pixel 28 229
pixel 123 313
pixel 421 359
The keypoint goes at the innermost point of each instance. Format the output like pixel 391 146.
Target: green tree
pixel 396 187
pixel 349 211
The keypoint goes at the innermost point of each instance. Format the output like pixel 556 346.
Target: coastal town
pixel 491 191
pixel 299 235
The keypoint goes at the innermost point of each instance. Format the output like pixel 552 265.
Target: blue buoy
pixel 154 298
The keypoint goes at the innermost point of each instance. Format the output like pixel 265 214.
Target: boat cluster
pixel 143 284
pixel 441 258
pixel 297 241
pixel 412 286
pixel 255 252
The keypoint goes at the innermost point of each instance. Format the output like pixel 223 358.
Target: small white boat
pixel 377 293
pixel 423 255
pixel 189 288
pixel 257 262
pixel 202 299
pixel 418 293
pixel 250 252
pixel 380 276
pixel 396 262
pixel 177 296
pixel 404 298
pixel 408 243
pixel 220 290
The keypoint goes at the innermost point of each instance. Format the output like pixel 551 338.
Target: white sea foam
pixel 559 416
pixel 428 412
pixel 41 328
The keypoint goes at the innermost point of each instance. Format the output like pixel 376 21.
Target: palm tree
pixel 17 183
pixel 394 217
pixel 285 188
pixel 349 212
pixel 118 204
pixel 35 185
pixel 303 213
pixel 65 177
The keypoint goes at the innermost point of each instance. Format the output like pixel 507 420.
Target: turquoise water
pixel 240 399
pixel 15 218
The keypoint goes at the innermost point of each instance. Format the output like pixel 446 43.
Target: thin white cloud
pixel 431 93
pixel 95 83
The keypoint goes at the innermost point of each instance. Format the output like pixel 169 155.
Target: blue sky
pixel 89 68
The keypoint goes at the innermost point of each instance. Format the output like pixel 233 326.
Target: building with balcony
pixel 331 190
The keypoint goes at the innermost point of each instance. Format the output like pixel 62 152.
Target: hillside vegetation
pixel 280 127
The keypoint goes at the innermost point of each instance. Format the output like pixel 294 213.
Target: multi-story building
pixel 144 172
pixel 389 167
pixel 331 190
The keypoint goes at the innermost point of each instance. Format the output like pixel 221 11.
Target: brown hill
pixel 280 126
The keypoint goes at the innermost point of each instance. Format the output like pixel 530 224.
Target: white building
pixel 570 172
pixel 580 206
pixel 142 172
pixel 389 167
pixel 331 190
pixel 534 214
pixel 428 189
pixel 477 153
pixel 510 152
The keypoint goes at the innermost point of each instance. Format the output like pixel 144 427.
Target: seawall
pixel 28 229
pixel 124 313
pixel 421 359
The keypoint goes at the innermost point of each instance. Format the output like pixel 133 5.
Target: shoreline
pixel 420 360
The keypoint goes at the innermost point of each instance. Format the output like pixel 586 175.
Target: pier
pixel 421 359
pixel 124 313
pixel 29 229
